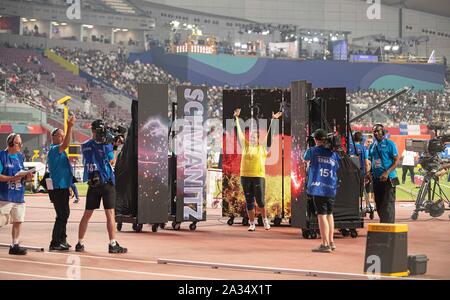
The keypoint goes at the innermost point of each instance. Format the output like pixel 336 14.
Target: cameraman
pixel 62 177
pixel 383 155
pixel 12 190
pixel 97 159
pixel 322 186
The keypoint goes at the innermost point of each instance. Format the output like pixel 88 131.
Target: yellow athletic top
pixel 253 160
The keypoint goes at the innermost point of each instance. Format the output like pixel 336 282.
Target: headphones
pixel 10 139
pixel 379 128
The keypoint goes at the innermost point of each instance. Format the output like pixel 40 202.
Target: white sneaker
pixel 266 224
pixel 252 227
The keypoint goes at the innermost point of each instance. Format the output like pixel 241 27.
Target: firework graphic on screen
pixel 152 157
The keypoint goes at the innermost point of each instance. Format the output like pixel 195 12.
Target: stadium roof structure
pixel 436 7
pixel 185 10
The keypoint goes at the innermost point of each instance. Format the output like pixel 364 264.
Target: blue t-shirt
pixel 11 164
pixel 11 156
pixel 322 172
pixel 96 157
pixel 388 151
pixel 361 151
pixel 59 168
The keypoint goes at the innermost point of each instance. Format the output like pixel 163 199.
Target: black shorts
pixel 324 205
pixel 94 196
pixel 254 189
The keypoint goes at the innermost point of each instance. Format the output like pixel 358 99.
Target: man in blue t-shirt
pixel 12 190
pixel 322 186
pixel 359 150
pixel 98 158
pixel 61 175
pixel 383 155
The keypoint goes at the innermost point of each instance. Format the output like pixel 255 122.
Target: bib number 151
pixel 326 173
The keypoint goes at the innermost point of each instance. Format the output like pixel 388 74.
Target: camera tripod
pixel 431 198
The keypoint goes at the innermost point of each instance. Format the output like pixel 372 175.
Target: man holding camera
pixel 383 155
pixel 98 172
pixel 12 190
pixel 61 177
pixel 322 187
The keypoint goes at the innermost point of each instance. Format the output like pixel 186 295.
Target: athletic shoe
pixel 322 248
pixel 117 248
pixel 76 200
pixel 266 224
pixel 79 247
pixel 332 246
pixel 252 227
pixel 60 247
pixel 66 244
pixel 17 250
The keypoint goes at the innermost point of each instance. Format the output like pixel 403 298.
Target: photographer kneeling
pixel 322 186
pixel 98 155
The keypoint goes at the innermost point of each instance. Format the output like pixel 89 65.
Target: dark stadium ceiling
pixel 437 7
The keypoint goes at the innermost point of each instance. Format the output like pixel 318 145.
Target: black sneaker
pixel 76 200
pixel 117 248
pixel 323 249
pixel 79 247
pixel 66 244
pixel 60 247
pixel 17 250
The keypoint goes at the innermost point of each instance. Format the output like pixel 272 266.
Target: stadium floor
pixel 213 241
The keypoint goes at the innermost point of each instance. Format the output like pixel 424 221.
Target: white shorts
pixel 14 212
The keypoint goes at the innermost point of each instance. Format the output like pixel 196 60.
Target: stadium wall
pixel 242 71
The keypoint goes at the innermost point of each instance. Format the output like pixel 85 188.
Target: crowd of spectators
pixel 21 86
pixel 116 71
pixel 422 107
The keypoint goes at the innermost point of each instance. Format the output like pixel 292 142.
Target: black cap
pixel 97 124
pixel 319 134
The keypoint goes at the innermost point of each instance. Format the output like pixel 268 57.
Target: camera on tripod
pixel 105 134
pixel 430 198
pixel 431 149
